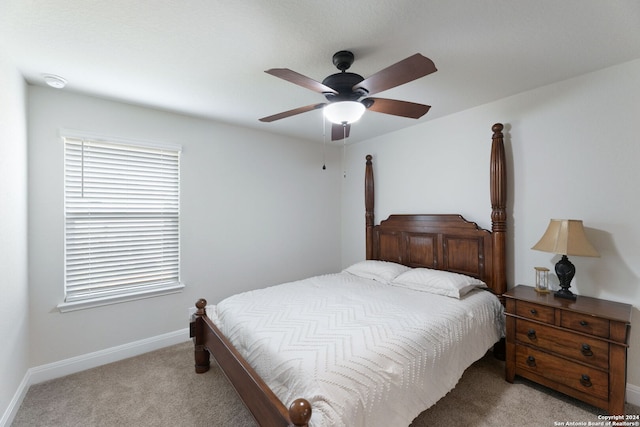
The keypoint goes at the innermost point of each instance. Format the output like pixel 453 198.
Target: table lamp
pixel 566 237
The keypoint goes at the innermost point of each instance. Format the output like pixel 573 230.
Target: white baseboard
pixel 91 360
pixel 633 394
pixel 72 365
pixel 14 405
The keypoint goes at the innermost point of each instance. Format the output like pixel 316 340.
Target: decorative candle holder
pixel 542 280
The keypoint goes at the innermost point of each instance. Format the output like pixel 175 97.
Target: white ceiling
pixel 207 57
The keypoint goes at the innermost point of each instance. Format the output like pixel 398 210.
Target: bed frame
pixel 445 242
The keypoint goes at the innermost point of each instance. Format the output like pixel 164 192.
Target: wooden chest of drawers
pixel 576 347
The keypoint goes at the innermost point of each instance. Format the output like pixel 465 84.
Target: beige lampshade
pixel 566 237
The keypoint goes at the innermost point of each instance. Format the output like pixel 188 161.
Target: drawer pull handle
pixel 586 350
pixel 531 361
pixel 532 334
pixel 583 323
pixel 585 380
pixel 533 311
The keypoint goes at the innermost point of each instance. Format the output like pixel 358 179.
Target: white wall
pixel 14 314
pixel 573 152
pixel 256 209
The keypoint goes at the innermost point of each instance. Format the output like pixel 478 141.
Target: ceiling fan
pixel 348 94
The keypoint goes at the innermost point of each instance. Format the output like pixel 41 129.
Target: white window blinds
pixel 121 219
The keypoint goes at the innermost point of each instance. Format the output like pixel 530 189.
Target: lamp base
pixel 566 294
pixel 565 271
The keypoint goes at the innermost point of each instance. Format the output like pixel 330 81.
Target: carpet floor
pixel 161 389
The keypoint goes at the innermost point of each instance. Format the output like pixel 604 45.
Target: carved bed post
pixel 201 354
pixel 498 185
pixel 368 203
pixel 499 207
pixel 300 412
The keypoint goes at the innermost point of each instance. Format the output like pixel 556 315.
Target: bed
pixel 378 342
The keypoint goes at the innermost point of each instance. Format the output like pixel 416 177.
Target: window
pixel 122 204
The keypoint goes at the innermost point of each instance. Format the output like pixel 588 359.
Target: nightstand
pixel 577 347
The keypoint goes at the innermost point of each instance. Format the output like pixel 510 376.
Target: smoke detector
pixel 54 81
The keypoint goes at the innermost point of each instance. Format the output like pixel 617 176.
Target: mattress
pixel 361 351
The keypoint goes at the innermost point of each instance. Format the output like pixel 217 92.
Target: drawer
pixel 533 311
pixel 585 323
pixel 574 375
pixel 575 346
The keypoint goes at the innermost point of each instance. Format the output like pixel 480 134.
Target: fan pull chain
pixel 344 149
pixel 324 142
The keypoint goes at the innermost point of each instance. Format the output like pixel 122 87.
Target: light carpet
pixel 161 389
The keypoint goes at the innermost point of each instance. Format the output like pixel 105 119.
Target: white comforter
pixel 362 352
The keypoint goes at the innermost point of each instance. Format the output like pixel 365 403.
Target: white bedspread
pixel 362 352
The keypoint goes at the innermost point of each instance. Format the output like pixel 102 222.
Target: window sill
pixel 66 307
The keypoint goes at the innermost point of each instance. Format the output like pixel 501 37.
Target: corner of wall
pixel 14 318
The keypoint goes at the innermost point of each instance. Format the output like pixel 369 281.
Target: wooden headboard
pixel 446 242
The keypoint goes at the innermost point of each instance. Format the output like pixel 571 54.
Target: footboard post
pixel 201 354
pixel 300 412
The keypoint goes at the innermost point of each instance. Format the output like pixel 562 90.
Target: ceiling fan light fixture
pixel 344 112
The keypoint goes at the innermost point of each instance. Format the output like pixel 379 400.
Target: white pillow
pixel 438 282
pixel 382 271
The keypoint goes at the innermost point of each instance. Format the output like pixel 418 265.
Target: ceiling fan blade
pixel 293 112
pixel 396 108
pixel 402 72
pixel 339 131
pixel 300 80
